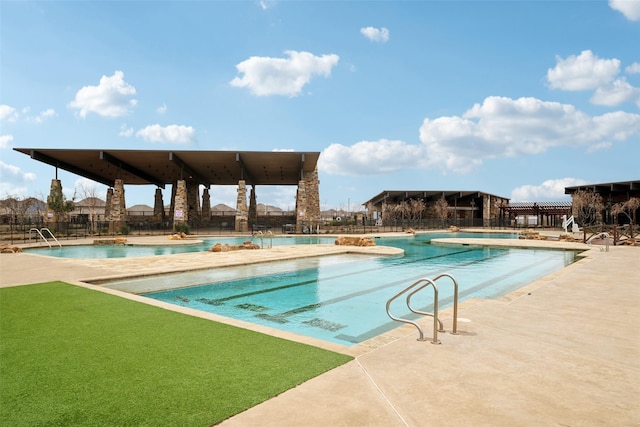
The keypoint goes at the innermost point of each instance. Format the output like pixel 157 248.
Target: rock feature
pixel 6 249
pixel 219 247
pixel 355 241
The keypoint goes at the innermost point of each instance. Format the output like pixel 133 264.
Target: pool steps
pixel 416 287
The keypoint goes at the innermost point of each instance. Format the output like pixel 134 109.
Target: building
pixel 463 208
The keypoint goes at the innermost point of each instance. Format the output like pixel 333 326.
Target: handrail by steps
pixel 421 283
pixel 455 303
pixel 44 238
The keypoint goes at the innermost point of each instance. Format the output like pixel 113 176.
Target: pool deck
pixel 564 350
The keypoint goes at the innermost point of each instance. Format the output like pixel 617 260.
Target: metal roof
pixel 608 188
pixel 160 167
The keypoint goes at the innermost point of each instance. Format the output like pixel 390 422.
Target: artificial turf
pixel 74 356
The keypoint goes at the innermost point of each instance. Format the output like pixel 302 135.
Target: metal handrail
pixel 424 282
pixel 455 303
pixel 603 236
pixel 44 238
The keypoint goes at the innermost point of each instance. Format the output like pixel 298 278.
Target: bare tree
pixel 628 208
pixel 586 207
pixel 90 197
pixel 441 210
pixel 18 206
pixel 416 208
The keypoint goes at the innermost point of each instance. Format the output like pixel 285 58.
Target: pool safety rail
pixel 416 287
pixel 261 235
pixel 45 229
pixel 604 237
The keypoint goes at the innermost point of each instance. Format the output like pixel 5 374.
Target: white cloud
pixel 616 93
pixel 504 127
pixel 369 157
pixel 499 127
pixel 267 4
pixel 266 76
pixel 162 109
pixel 173 133
pixel 49 112
pixel 111 98
pixel 549 190
pixel 629 8
pixel 84 187
pixel 8 113
pixel 286 150
pixel 633 68
pixel 125 131
pixel 583 72
pixel 375 34
pixel 13 181
pixel 605 145
pixel 5 140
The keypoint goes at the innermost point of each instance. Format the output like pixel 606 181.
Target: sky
pixel 514 98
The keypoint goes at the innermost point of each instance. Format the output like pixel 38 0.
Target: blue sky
pixel 517 99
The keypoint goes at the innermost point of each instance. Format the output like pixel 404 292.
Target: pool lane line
pixel 282 317
pixel 222 300
pixel 385 327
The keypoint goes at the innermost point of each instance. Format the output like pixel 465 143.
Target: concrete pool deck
pixel 563 350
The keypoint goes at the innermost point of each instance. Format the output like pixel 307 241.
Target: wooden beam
pixel 131 169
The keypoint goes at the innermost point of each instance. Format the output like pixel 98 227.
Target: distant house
pixel 140 210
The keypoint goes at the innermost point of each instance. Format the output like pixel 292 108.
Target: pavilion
pixel 186 171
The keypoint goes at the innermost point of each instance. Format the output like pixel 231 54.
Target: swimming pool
pixel 129 251
pixel 342 299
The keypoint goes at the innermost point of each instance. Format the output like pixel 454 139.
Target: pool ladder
pixel 437 323
pixel 44 238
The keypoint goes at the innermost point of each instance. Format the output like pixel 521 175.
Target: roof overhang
pixel 389 196
pixel 161 167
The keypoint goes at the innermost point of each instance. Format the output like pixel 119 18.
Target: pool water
pixel 128 251
pixel 342 298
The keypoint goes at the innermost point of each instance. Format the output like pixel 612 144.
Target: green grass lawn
pixel 73 356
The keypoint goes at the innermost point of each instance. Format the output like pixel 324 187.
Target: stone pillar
pixel 117 208
pixel 301 203
pixel 308 201
pixel 107 205
pixel 486 210
pixel 241 208
pixel 158 206
pixel 172 205
pixel 181 208
pixel 253 209
pixel 55 198
pixel 206 206
pixel 193 200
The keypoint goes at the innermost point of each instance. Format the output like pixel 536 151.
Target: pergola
pixel 186 171
pixel 547 213
pixel 161 167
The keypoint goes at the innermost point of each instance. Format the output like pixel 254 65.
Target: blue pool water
pixel 342 298
pixel 128 251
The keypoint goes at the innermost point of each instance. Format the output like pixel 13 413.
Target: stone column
pixel 117 208
pixel 172 205
pixel 193 200
pixel 301 203
pixel 181 209
pixel 107 205
pixel 158 206
pixel 308 201
pixel 241 208
pixel 253 208
pixel 206 206
pixel 55 198
pixel 486 210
